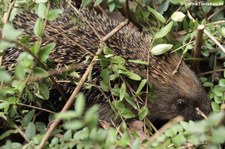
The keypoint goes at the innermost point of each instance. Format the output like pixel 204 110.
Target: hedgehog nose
pixel 207 108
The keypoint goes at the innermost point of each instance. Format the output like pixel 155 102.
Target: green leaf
pixel 218 99
pixel 143 113
pixel 19 85
pixel 127 114
pixel 222 82
pixel 67 135
pixel 40 1
pixel 39 72
pixel 138 62
pixel 118 105
pixel 131 101
pixel 20 72
pixel 164 31
pixel 82 134
pixel 105 75
pixel 73 125
pixel 178 16
pixel 205 52
pixel 85 2
pixel 131 75
pixel 97 2
pixel 36 47
pixel 10 33
pixel 45 51
pixel 136 144
pixel 107 50
pixel 207 84
pixel 27 118
pixel 5 45
pixel 223 31
pixel 157 15
pixel 218 135
pixel 40 126
pixel 111 6
pixel 39 27
pixel 67 115
pixel 215 118
pixel 42 10
pixel 101 135
pixel 217 2
pixel 161 49
pixel 54 141
pixel 30 130
pixel 125 140
pixel 141 85
pixel 111 137
pixel 5 76
pixel 122 91
pixel 6 91
pixel 104 86
pixel 170 133
pixel 115 91
pixel 7 133
pixel 5 105
pixel 118 60
pixel 178 140
pixel 91 116
pixel 44 91
pixel 215 107
pixel 80 103
pixel 178 1
pixel 218 91
pixel 53 14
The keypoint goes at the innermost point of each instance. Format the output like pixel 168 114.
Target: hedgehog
pixel 175 94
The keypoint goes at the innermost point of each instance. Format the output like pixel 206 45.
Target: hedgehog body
pixel 176 94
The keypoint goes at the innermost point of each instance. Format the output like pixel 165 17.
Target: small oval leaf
pixel 161 49
pixel 178 16
pixel 38 27
pixel 143 113
pixel 30 130
pixel 164 31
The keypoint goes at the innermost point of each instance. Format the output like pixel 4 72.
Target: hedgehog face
pixel 174 102
pixel 178 94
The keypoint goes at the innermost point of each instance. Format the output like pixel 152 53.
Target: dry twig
pixel 197 49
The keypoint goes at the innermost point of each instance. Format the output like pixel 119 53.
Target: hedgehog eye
pixel 180 104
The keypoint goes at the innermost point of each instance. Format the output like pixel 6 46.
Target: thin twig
pixel 33 107
pixel 16 127
pixel 216 12
pixel 80 84
pixel 178 65
pixel 214 39
pixel 209 72
pixel 7 14
pixel 57 71
pixel 199 112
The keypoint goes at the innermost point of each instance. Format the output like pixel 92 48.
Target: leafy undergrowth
pixel 27 107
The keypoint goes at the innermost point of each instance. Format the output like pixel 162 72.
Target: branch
pixel 197 49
